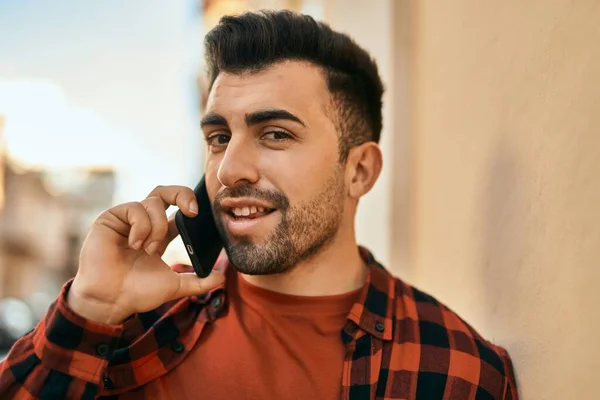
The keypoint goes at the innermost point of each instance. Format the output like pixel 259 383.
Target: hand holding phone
pixel 121 270
pixel 199 234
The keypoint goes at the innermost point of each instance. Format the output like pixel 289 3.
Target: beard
pixel 302 232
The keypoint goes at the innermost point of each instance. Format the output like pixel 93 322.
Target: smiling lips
pixel 250 212
pixel 244 215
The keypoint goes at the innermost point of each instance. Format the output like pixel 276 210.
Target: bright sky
pixel 103 83
pixel 41 125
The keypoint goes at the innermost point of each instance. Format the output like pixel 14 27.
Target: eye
pixel 218 139
pixel 277 136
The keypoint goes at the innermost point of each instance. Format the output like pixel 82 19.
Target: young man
pixel 296 310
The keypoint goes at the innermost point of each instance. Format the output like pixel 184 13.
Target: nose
pixel 239 164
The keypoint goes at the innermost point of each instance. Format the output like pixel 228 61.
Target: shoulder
pixel 450 351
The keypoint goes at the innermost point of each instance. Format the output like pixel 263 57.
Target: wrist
pixel 94 310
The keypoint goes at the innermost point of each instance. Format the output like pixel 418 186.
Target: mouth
pixel 248 217
pixel 249 212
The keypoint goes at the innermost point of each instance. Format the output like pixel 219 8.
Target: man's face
pixel 273 170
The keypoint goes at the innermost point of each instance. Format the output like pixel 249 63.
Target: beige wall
pixel 507 179
pixel 493 171
pixel 384 28
pixel 352 17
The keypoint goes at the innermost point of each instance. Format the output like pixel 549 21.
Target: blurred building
pixel 44 217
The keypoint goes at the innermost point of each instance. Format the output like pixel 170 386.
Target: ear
pixel 363 167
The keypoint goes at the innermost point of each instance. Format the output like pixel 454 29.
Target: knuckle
pixel 105 215
pixel 153 204
pixel 139 212
pixel 157 189
pixel 185 194
pixel 150 200
pixel 133 205
pixel 108 212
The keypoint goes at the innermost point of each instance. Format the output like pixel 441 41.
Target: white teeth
pixel 245 211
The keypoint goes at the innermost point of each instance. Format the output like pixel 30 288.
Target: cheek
pixel 300 175
pixel 210 177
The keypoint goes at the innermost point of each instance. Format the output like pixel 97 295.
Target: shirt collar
pixel 372 312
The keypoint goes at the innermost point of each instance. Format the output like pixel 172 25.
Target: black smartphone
pixel 199 234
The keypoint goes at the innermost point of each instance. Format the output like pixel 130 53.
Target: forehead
pixel 298 87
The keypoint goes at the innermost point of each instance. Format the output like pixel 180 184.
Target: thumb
pixel 182 268
pixel 191 285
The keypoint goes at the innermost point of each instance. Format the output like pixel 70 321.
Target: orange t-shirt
pixel 267 345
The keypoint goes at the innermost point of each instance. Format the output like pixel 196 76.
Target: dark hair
pixel 253 41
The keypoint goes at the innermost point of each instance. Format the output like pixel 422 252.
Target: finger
pixel 191 285
pixel 182 268
pixel 180 196
pixel 172 233
pixel 158 221
pixel 130 220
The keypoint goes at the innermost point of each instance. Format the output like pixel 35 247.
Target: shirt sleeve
pixel 65 356
pixel 510 387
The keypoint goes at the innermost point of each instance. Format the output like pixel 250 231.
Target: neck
pixel 336 269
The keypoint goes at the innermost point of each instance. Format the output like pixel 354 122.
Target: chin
pixel 248 241
pixel 251 259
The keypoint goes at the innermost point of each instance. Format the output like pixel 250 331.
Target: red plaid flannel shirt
pixel 402 344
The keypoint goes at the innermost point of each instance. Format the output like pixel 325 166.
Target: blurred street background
pixel 490 194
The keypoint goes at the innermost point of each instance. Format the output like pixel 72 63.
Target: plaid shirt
pixel 403 344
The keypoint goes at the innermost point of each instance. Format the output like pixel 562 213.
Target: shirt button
pixel 102 350
pixel 216 302
pixel 177 346
pixel 108 384
pixel 379 327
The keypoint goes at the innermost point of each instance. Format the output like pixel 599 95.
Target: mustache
pixel 274 197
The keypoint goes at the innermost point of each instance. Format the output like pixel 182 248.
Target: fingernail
pixel 137 245
pixel 151 248
pixel 193 207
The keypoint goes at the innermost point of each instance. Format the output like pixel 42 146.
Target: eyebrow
pixel 214 120
pixel 255 118
pixel 260 117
